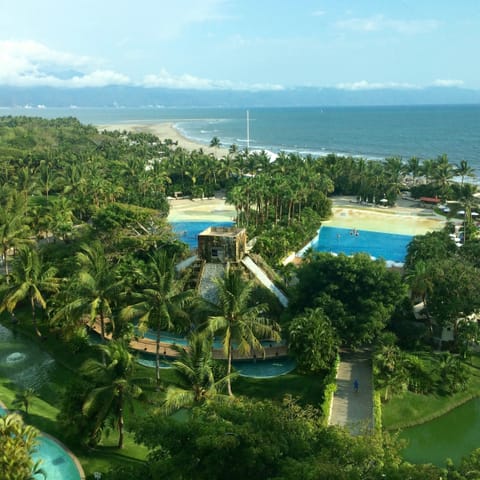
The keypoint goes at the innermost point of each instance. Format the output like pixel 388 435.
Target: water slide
pixel 264 280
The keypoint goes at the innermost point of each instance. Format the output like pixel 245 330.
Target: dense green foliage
pixel 358 295
pixel 313 341
pixel 17 444
pixel 84 237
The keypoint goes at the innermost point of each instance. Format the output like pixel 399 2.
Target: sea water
pixel 370 132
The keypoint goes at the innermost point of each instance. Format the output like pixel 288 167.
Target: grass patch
pixel 308 389
pixel 408 409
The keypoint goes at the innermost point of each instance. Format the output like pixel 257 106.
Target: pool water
pixel 259 368
pixel 389 246
pixel 56 462
pixel 267 368
pixel 188 231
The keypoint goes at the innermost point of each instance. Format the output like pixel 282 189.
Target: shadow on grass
pixel 307 388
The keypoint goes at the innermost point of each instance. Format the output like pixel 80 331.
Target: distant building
pixel 222 244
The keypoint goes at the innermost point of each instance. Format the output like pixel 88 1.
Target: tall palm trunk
pixel 102 332
pixel 34 316
pixel 157 356
pixel 121 421
pixel 229 369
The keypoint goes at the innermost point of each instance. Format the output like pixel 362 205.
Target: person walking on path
pixel 355 386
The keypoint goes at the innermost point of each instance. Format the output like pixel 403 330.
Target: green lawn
pixel 409 409
pixel 308 389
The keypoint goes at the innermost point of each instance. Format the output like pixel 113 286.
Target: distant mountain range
pixel 130 96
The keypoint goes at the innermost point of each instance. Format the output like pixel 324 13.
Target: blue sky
pixel 240 44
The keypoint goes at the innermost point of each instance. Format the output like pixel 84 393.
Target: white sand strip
pixel 166 130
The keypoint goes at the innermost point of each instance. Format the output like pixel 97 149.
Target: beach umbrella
pixel 383 200
pixel 474 214
pixel 446 209
pixel 461 212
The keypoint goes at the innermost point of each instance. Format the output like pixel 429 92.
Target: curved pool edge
pixel 72 456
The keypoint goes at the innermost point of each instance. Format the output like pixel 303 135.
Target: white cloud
pixel 180 15
pixel 378 23
pixel 448 83
pixel 364 85
pixel 318 13
pixel 186 81
pixel 28 63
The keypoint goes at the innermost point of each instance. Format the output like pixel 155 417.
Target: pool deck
pixel 213 209
pixel 408 217
pixel 148 345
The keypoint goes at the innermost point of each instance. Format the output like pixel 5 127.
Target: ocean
pixel 369 132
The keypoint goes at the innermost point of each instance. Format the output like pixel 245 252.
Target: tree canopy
pixel 357 294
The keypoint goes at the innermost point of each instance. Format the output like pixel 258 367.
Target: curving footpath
pixel 351 409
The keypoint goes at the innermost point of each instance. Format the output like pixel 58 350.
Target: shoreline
pixel 164 131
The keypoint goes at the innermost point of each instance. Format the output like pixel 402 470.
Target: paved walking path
pixel 351 409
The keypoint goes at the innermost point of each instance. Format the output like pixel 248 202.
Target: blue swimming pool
pixel 56 462
pixel 389 246
pixel 188 231
pixel 267 368
pixel 259 368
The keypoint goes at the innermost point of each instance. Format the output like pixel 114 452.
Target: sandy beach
pixel 208 209
pixel 406 218
pixel 165 130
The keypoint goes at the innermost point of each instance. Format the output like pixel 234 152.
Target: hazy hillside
pixel 140 96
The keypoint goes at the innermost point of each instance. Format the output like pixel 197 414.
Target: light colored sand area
pixel 403 219
pixel 211 209
pixel 165 130
pixel 408 218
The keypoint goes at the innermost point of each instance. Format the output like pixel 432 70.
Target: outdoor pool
pixel 188 231
pixel 56 462
pixel 389 246
pixel 258 368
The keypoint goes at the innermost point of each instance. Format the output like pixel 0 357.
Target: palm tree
pixel 420 279
pixel 13 228
pixel 160 303
pixel 95 287
pixel 30 279
pixel 443 174
pixel 237 322
pixel 23 398
pixel 463 169
pixel 215 142
pixel 413 168
pixel 194 370
pixel 114 385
